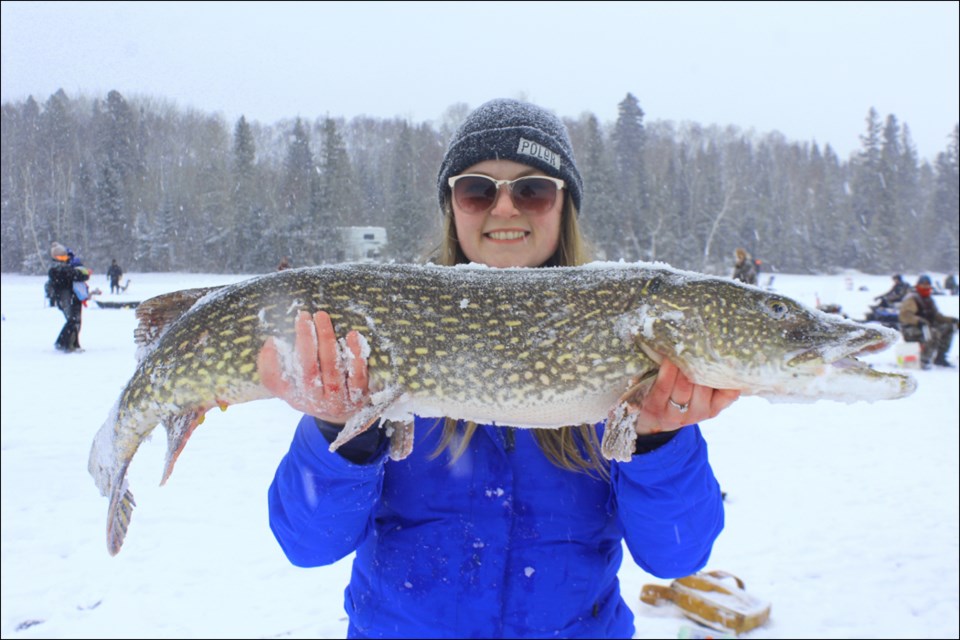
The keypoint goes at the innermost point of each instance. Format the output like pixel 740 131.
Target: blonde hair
pixel 576 447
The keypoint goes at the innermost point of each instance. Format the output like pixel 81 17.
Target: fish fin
pixel 638 389
pixel 619 434
pixel 365 418
pixel 179 429
pixel 401 440
pixel 119 512
pixel 155 315
pixel 354 427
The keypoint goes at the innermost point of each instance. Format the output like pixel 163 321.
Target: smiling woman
pixel 508 557
pixel 506 142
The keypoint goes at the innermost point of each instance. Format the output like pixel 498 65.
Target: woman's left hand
pixel 674 402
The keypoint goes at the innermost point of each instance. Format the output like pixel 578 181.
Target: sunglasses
pixel 475 193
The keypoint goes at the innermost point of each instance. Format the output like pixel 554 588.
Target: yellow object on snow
pixel 716 599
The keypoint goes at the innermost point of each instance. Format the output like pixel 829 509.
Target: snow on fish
pixel 531 348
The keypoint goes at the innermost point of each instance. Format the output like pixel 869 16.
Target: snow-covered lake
pixel 843 516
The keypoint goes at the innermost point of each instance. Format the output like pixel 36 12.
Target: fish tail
pixel 102 461
pixel 120 511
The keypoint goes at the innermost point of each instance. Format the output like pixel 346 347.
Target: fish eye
pixel 776 309
pixel 654 285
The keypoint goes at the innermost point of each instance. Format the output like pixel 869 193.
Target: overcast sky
pixel 809 70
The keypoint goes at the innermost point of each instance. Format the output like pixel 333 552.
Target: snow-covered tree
pixel 629 145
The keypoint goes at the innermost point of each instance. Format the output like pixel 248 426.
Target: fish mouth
pixel 845 354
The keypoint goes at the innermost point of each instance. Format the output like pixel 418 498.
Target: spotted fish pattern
pixel 530 348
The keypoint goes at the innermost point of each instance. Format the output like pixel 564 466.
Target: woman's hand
pixel 320 376
pixel 674 402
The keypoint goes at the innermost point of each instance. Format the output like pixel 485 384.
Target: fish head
pixel 729 335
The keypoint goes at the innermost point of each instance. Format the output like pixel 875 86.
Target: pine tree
pixel 298 194
pixel 629 144
pixel 831 217
pixel 867 196
pixel 250 229
pixel 601 208
pixel 30 234
pixel 337 203
pixel 90 172
pixel 58 135
pixel 160 246
pixel 405 232
pixel 886 230
pixel 111 209
pixel 118 168
pixel 909 209
pixel 946 206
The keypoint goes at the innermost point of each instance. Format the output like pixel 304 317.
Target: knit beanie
pixel 505 129
pixel 58 252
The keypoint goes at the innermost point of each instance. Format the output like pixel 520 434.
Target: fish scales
pixel 535 348
pixel 434 332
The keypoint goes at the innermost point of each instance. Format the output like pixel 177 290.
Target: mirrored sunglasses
pixel 475 193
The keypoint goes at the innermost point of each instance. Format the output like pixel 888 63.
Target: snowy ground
pixel 844 517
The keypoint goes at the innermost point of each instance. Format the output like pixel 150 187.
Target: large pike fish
pixel 534 348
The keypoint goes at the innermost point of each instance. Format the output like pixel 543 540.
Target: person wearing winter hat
pixel 59 252
pixel 488 530
pixel 509 139
pixel 744 269
pixel 60 289
pixel 921 321
pixel 898 291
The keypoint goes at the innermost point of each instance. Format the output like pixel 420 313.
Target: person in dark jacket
pixel 950 284
pixel 744 268
pixel 61 278
pixel 896 294
pixel 490 531
pixel 114 273
pixel 921 321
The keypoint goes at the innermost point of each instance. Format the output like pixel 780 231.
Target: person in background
pixel 284 263
pixel 744 269
pixel 490 531
pixel 114 273
pixel 950 284
pixel 61 278
pixel 896 294
pixel 921 321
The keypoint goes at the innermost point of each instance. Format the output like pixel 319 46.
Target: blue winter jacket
pixel 500 543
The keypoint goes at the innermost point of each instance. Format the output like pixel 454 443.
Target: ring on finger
pixel 682 408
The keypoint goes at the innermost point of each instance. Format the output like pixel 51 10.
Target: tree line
pixel 162 188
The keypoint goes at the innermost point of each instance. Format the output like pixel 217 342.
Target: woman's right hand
pixel 320 376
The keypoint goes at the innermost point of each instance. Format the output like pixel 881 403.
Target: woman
pixel 490 531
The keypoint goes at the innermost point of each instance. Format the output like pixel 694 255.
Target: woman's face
pixel 504 236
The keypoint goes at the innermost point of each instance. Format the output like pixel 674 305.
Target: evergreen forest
pixel 161 188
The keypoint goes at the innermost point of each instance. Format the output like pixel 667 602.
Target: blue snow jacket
pixel 500 543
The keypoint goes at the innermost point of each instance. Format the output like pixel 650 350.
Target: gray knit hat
pixel 506 129
pixel 58 251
